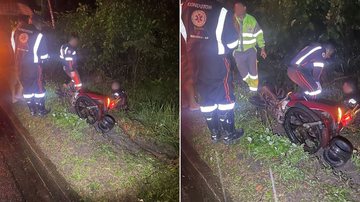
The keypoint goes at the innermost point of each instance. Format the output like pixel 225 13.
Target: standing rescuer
pixel 30 52
pixel 250 34
pixel 68 56
pixel 212 25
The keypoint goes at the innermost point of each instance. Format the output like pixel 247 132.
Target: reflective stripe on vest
pixel 219 31
pixel 36 47
pixel 307 54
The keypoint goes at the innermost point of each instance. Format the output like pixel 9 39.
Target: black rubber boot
pixel 31 104
pixel 40 103
pixel 213 125
pixel 227 121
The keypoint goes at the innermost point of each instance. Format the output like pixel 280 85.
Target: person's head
pixel 74 40
pixel 350 86
pixel 329 50
pixel 23 19
pixel 115 86
pixel 239 8
pixel 36 20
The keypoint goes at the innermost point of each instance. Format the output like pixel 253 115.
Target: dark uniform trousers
pixel 215 81
pixel 32 79
pixel 303 78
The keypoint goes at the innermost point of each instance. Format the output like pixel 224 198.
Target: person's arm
pixel 259 35
pixel 43 51
pixel 230 34
pixel 182 26
pixel 40 49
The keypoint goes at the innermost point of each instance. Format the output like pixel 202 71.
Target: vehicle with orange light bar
pixel 314 124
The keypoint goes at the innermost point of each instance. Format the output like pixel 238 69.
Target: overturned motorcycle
pixel 95 108
pixel 314 123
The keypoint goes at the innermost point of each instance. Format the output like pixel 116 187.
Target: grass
pixel 245 166
pixel 157 108
pixel 92 165
pixel 154 105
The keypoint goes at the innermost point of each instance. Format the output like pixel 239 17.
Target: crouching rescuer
pixel 306 68
pixel 209 22
pixel 31 52
pixel 68 56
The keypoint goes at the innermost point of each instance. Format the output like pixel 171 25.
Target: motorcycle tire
pixel 106 124
pixel 87 108
pixel 298 134
pixel 338 152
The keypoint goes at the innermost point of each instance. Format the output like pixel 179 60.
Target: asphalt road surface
pixel 19 180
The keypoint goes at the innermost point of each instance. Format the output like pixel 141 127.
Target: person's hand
pixel 263 53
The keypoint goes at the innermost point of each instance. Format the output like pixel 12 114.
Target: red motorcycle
pixel 95 107
pixel 314 123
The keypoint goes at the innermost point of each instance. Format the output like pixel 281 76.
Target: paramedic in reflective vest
pixel 68 56
pixel 250 36
pixel 209 22
pixel 31 51
pixel 306 68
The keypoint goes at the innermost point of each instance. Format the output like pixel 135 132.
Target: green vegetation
pixel 94 167
pixel 288 27
pixel 131 43
pixel 135 43
pixel 291 25
pixel 245 166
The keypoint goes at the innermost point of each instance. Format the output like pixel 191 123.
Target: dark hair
pixel 329 46
pixel 243 2
pixel 36 18
pixel 73 35
pixel 23 18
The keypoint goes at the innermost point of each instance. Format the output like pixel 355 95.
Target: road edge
pixel 56 183
pixel 204 172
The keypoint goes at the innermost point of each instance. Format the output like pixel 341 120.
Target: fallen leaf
pixel 259 188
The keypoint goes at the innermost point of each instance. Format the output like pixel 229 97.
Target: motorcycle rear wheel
pixel 87 108
pixel 298 134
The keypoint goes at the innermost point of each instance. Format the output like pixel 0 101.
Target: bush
pixel 291 25
pixel 128 40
